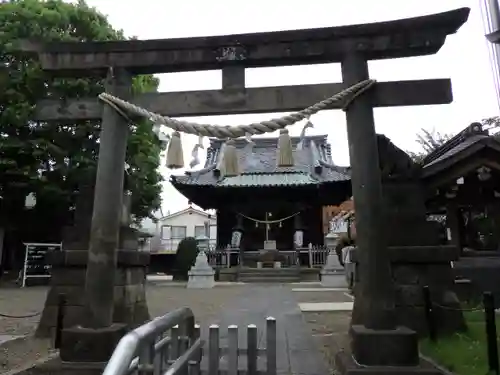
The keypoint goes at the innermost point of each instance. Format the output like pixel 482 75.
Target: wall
pixel 189 219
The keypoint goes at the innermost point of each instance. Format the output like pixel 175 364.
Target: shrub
pixel 186 256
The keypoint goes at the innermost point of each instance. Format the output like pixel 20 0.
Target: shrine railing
pixel 222 257
pixel 311 256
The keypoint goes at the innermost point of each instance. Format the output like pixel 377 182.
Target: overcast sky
pixel 464 59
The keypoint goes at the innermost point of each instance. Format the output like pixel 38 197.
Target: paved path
pixel 296 350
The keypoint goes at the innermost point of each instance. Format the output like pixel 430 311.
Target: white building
pixel 173 228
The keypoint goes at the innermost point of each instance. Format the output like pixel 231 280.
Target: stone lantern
pixel 30 201
pixel 331 241
pixel 333 274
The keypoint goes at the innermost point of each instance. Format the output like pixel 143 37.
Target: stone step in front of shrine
pixel 269 275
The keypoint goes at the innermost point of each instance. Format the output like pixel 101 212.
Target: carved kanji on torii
pixel 351 46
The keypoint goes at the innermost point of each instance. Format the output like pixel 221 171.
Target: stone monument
pixel 201 275
pixel 333 274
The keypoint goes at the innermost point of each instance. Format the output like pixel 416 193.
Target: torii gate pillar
pixel 378 341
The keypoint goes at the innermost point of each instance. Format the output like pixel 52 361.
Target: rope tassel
pixel 230 162
pixel 175 155
pixel 285 152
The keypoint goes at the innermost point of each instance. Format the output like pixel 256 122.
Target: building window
pixel 166 232
pixel 199 230
pixel 178 232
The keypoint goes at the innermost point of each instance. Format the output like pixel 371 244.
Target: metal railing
pixel 311 256
pixel 317 255
pixel 148 350
pixel 222 257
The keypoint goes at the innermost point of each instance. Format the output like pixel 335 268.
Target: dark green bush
pixel 185 257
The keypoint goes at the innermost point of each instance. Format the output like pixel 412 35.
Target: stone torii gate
pixel 351 46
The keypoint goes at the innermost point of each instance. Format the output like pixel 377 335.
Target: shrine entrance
pixel 375 321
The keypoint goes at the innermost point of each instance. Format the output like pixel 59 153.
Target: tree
pixel 428 141
pixel 49 158
pixel 185 257
pixel 491 123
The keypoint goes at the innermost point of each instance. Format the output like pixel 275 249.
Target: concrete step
pixel 269 275
pixel 266 280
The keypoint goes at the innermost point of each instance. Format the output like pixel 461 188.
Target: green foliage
pixel 49 158
pixel 491 123
pixel 463 353
pixel 186 255
pixel 428 142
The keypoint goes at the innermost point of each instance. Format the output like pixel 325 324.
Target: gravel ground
pixel 329 329
pixel 326 296
pixel 161 299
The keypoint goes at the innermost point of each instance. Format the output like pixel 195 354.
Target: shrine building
pixel 266 201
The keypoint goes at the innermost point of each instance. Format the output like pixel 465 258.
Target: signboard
pixel 35 260
pixel 338 225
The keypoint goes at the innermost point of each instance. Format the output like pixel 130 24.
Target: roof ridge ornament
pixel 195 160
pixel 307 125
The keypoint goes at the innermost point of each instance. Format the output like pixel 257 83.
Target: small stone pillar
pixel 333 274
pixel 201 275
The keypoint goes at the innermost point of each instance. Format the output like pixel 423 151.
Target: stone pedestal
pixel 333 274
pixel 201 275
pixel 89 345
pixel 415 267
pixel 68 278
pixel 397 347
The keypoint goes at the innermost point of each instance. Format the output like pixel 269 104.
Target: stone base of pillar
pixel 397 347
pixel 333 279
pixel 90 345
pixel 68 278
pixel 333 274
pixel 414 267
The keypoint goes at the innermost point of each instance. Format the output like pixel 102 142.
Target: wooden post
pixel 104 235
pixel 309 251
pixel 375 289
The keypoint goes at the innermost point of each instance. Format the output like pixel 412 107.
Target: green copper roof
pixel 268 179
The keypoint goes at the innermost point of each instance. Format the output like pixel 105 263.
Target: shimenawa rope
pixel 126 109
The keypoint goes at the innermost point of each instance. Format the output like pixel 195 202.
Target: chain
pixel 19 316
